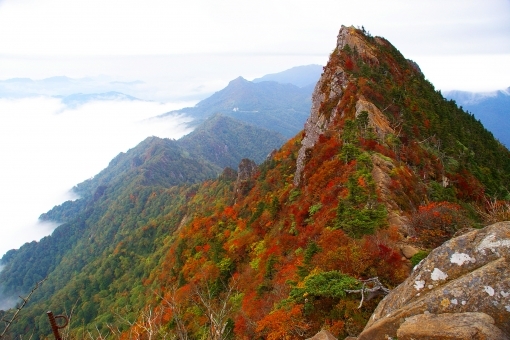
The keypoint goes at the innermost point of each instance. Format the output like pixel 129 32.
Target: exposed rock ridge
pixel 381 175
pixel 329 89
pixel 470 326
pixel 467 274
pixel 349 36
pixel 323 335
pixel 247 168
pixel 377 119
pixel 318 123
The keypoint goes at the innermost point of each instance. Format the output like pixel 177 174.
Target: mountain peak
pixel 238 80
pixel 368 82
pixel 356 39
pixel 387 170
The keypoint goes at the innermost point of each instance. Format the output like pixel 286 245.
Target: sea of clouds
pixel 47 147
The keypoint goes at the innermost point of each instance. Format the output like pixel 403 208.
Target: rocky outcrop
pixel 329 88
pixel 247 168
pixel 349 36
pixel 328 93
pixel 467 274
pixel 471 326
pixel 323 335
pixel 318 123
pixel 376 119
pixel 228 174
pixel 381 174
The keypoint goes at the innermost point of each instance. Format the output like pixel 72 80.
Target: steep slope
pixel 119 199
pixel 276 107
pixel 384 161
pixel 224 141
pixel 271 252
pixel 154 161
pixel 492 109
pixel 119 190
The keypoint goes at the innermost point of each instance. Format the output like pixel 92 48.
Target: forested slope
pixel 269 252
pixel 276 107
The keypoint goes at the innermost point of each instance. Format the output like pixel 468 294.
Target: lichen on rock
pixel 467 274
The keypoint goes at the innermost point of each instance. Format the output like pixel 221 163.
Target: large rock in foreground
pixel 323 335
pixel 472 326
pixel 469 273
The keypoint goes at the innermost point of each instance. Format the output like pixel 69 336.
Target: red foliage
pixel 349 65
pixel 436 222
pixel 241 326
pixel 469 188
pixel 229 213
pixel 368 144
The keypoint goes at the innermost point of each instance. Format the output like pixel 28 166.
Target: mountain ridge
pixel 491 108
pixel 278 250
pixel 301 76
pixel 278 107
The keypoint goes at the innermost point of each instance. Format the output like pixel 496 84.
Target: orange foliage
pixel 229 213
pixel 283 324
pixel 349 65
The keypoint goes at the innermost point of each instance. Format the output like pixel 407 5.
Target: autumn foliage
pixel 274 260
pixel 437 222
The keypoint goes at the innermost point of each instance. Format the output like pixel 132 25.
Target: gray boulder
pixel 469 326
pixel 469 273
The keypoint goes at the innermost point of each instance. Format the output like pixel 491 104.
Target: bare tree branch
pixel 25 300
pixel 375 289
pixel 218 310
pixel 177 312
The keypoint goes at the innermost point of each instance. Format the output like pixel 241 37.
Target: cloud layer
pixel 47 148
pixel 165 43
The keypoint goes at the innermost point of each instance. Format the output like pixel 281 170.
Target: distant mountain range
pixel 301 76
pixel 267 104
pixel 77 99
pixel 224 141
pixel 277 102
pixel 73 90
pixel 491 108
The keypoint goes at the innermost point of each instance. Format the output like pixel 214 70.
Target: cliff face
pixel 318 122
pixel 326 98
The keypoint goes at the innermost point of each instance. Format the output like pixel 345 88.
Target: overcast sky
pixel 459 44
pixel 183 51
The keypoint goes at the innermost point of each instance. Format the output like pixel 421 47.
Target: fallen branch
pixel 376 289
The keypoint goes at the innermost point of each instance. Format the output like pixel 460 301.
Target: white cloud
pixel 146 38
pixel 60 27
pixel 46 149
pixel 466 72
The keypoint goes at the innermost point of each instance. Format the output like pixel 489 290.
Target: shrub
pixel 418 257
pixel 436 223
